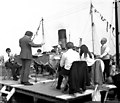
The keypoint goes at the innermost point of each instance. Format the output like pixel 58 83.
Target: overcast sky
pixel 18 16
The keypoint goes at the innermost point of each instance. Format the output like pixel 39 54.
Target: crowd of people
pixel 64 62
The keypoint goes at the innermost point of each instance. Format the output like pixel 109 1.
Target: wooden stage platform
pixel 43 91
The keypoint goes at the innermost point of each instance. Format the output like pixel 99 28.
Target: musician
pixel 37 64
pixel 57 48
pixel 39 53
pixel 66 61
pixel 26 43
pixel 11 64
pixel 52 63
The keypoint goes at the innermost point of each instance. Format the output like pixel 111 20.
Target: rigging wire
pixel 37 30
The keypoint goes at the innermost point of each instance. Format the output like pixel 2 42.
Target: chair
pixel 40 62
pixel 56 67
pixel 55 77
pixel 7 73
pixel 97 72
pixel 52 65
pixel 78 77
pixel 36 65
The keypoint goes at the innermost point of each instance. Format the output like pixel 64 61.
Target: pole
pixel 92 24
pixel 42 30
pixel 43 33
pixel 117 34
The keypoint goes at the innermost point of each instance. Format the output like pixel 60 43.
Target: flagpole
pixel 92 24
pixel 43 33
pixel 117 33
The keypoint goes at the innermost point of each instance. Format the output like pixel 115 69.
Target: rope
pixel 37 30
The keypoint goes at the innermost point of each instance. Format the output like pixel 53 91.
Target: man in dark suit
pixel 26 45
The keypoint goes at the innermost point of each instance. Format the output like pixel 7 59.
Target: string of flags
pixel 108 25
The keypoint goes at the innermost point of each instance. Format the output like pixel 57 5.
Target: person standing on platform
pixel 26 45
pixel 105 56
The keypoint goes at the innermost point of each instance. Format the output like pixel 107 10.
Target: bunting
pixel 108 24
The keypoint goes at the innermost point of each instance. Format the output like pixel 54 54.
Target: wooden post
pixel 117 34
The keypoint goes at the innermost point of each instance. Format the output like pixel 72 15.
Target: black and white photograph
pixel 59 51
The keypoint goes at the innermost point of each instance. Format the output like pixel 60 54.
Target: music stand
pixel 35 66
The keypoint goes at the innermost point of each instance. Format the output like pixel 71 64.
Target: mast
pixel 43 32
pixel 117 33
pixel 92 24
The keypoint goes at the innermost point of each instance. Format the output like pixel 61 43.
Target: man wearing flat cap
pixel 26 45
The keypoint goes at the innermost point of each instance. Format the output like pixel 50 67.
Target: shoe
pixel 27 83
pixel 66 88
pixel 58 88
pixel 22 83
pixel 15 78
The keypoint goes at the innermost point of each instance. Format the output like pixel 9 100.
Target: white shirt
pixel 6 57
pixel 90 61
pixel 54 60
pixel 68 58
pixel 105 50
